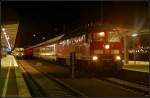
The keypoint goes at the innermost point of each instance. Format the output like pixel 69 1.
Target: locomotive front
pixel 106 50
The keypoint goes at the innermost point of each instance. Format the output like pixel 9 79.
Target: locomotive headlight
pixel 95 58
pixel 118 58
pixel 107 46
pixel 102 34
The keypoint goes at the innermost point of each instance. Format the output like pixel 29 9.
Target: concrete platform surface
pixel 12 81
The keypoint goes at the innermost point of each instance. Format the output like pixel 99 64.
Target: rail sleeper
pixel 48 86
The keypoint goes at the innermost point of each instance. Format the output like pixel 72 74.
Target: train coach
pixel 95 49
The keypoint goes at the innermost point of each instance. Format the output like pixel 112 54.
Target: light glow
pixel 102 34
pixel 3 29
pixel 5 33
pixel 107 46
pixel 118 58
pixel 133 35
pixel 95 58
pixel 46 53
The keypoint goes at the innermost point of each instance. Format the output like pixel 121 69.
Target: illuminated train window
pixel 98 37
pixel 113 37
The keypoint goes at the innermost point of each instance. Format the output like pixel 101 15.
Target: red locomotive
pixel 95 49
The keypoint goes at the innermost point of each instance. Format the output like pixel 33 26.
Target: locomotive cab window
pixel 99 36
pixel 113 37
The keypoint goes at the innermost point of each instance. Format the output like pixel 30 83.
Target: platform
pixel 12 81
pixel 140 66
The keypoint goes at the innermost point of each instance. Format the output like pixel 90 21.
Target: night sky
pixel 48 19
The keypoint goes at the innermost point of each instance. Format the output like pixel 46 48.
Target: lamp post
pixel 126 49
pixel 134 51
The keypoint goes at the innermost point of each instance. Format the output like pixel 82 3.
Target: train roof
pixel 77 32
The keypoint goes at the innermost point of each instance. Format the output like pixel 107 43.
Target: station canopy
pixel 11 32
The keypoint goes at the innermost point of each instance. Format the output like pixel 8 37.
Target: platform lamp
pixel 134 52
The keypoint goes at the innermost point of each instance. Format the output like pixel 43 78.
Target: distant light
pixel 5 33
pixel 34 35
pixel 135 34
pixel 101 34
pixel 17 53
pixel 3 29
pixel 43 38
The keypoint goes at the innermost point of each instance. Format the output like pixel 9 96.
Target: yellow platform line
pixel 6 82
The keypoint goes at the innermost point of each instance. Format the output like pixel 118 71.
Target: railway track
pixel 143 89
pixel 42 84
pixel 126 85
pixel 33 86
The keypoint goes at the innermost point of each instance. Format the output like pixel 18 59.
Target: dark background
pixel 50 19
